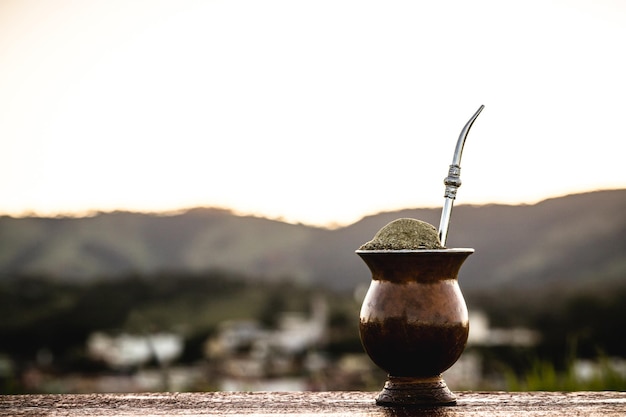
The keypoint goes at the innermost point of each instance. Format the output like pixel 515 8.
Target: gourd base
pixel 407 391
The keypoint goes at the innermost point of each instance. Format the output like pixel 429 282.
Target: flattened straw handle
pixel 453 180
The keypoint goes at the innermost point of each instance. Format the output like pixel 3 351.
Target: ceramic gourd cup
pixel 414 322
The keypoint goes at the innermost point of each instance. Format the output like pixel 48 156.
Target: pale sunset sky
pixel 317 112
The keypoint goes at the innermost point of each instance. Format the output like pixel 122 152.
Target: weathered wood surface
pixel 354 404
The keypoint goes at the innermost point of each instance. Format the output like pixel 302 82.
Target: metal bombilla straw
pixel 453 180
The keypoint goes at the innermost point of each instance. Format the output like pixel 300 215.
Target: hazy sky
pixel 313 111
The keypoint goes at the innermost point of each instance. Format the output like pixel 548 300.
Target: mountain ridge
pixel 574 239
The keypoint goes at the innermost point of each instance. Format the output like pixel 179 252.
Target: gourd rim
pixel 415 251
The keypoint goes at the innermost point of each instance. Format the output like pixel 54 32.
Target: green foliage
pixel 38 313
pixel 593 322
pixel 574 325
pixel 544 376
pixel 591 319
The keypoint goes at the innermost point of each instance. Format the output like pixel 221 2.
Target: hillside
pixel 577 240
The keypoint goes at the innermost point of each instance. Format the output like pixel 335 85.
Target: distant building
pixel 295 333
pixel 245 352
pixel 127 350
pixel 481 334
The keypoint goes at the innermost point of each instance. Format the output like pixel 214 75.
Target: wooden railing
pixel 353 404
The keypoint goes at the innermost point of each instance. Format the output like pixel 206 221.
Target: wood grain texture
pixel 354 404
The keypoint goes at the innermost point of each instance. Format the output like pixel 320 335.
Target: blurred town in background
pixel 207 300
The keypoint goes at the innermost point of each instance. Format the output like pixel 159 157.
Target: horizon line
pixel 89 213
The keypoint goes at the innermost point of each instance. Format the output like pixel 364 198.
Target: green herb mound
pixel 405 234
